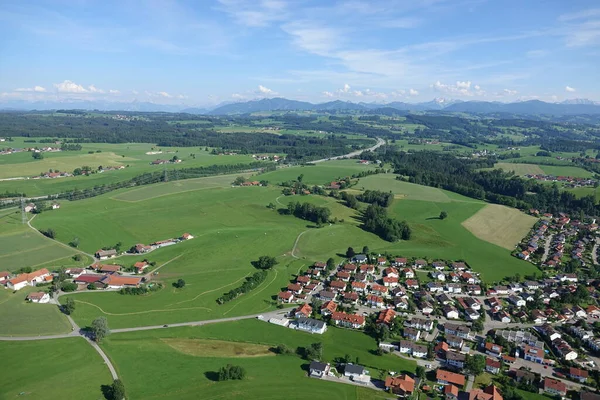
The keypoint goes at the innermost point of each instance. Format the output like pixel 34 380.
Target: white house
pixel 440 276
pixel 471 314
pixel 31 279
pixel 451 312
pixel 311 325
pixel 38 297
pixel 357 373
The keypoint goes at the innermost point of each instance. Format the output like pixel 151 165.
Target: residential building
pixel 285 297
pixel 348 320
pixel 554 387
pixel 328 308
pixel 492 366
pixel 401 385
pixel 577 374
pixel 446 378
pixel 386 316
pixel 311 325
pixel 357 373
pixel 106 254
pixel 455 359
pixel 38 297
pixel 318 369
pixel 303 311
pixel 493 350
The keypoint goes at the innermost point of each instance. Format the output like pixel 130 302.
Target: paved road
pixel 380 142
pixel 595 252
pixel 547 248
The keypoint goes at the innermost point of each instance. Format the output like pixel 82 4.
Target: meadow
pixel 21 318
pixel 20 246
pixel 52 369
pixel 319 174
pixel 268 375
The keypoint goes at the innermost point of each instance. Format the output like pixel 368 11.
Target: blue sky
pixel 205 52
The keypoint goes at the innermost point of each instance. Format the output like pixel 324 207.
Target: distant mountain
pixel 195 110
pixel 581 101
pixel 337 105
pixel 531 107
pixel 274 104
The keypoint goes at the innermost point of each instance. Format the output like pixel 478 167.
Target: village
pixel 566 181
pixel 440 314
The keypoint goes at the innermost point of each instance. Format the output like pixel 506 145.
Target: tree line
pixel 309 212
pixel 377 221
pixel 383 199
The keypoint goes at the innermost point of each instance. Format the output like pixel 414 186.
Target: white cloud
pixel 327 94
pixel 255 13
pixel 509 92
pixel 238 96
pixel 69 87
pixel 114 91
pixel 265 90
pixel 135 92
pixel 569 89
pixel 314 39
pixel 413 92
pixel 182 96
pixel 38 89
pixel 94 89
pixel 592 12
pixel 402 23
pixel 165 95
pixel 461 88
pixel 345 89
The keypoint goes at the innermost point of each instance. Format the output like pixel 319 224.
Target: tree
pixel 365 250
pixel 231 372
pixel 51 233
pixel 239 180
pixel 68 287
pixel 420 372
pixel 443 215
pixel 265 262
pixel 475 364
pixel 179 284
pixel 69 306
pixel 117 390
pixel 74 242
pixel 100 328
pixel 315 351
pixel 37 156
pixel 331 264
pixel 350 253
pixel 477 325
pixel 283 349
pixel 300 178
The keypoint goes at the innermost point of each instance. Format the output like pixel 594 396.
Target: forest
pixel 376 220
pixel 309 212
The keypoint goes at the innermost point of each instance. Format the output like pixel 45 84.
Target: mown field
pixel 52 370
pixel 500 225
pixel 21 318
pixel 20 246
pixel 145 360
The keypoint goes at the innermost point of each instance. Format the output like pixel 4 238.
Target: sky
pixel 205 52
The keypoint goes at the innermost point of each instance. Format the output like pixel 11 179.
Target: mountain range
pixel 531 107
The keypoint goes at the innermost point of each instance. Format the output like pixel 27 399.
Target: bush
pixel 283 349
pixel 179 284
pixel 68 287
pixel 231 372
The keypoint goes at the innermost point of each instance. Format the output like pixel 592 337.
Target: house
pixel 450 312
pixel 419 323
pixel 357 373
pixel 444 299
pixel 75 272
pixel 471 314
pixel 326 295
pixel 318 369
pixel 446 378
pixel 517 301
pixel 521 375
pixel 348 320
pixel 492 366
pixel 4 276
pixel 140 266
pixel 492 349
pixel 533 354
pixel 186 236
pixel 399 262
pixel 411 333
pixel 455 359
pixel 554 387
pixel 503 317
pixel 285 297
pixel 381 261
pixel 337 285
pixel 303 311
pixel 360 258
pixel 29 207
pixel 435 287
pixel 350 297
pixel 379 290
pixel 450 392
pixel 426 307
pixel 439 265
pixel 401 385
pixel 311 325
pixel 141 248
pixel 386 316
pixel 106 254
pixel 489 393
pixel 295 288
pixel 119 282
pixel 390 281
pixel 38 297
pixel 420 263
pixel 359 286
pixel 459 266
pixel 90 279
pixel 303 279
pixel 455 341
pixel 461 331
pixel 408 273
pixel 328 308
pixel 30 279
pixel 391 272
pixel 367 268
pixel 440 276
pixel 55 206
pixel 374 301
pixel 577 374
pixel 106 268
pixel 412 284
pixel 401 303
pixel 585 395
pixel 343 276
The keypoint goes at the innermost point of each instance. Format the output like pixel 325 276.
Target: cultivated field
pixel 500 225
pixel 267 376
pixel 20 246
pixel 21 318
pixel 520 169
pixel 52 370
pixel 217 348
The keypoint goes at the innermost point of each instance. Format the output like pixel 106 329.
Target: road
pixel 547 248
pixel 595 252
pixel 380 142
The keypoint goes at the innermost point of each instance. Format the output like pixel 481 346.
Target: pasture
pixel 21 246
pixel 144 357
pixel 52 370
pixel 21 318
pixel 503 226
pixel 575 172
pixel 402 189
pixel 520 169
pixel 318 174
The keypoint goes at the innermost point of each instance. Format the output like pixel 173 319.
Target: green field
pixel 145 362
pixel 318 174
pixel 52 370
pixel 406 190
pixel 18 317
pixel 20 246
pixel 575 172
pixel 521 169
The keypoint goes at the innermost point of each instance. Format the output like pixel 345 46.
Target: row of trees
pixel 377 221
pixel 309 212
pixel 250 283
pixel 383 199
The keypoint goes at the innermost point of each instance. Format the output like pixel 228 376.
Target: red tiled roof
pixel 450 377
pixel 353 318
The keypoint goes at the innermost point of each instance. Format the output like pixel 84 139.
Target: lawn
pixel 52 369
pixel 145 362
pixel 500 225
pixel 21 318
pixel 20 246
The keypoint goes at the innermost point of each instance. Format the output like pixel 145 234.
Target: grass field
pixel 145 360
pixel 233 226
pixel 575 172
pixel 409 191
pixel 217 348
pixel 52 370
pixel 20 246
pixel 520 169
pixel 21 318
pixel 500 225
pixel 318 174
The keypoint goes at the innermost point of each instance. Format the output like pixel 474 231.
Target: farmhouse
pixel 31 279
pixel 106 254
pixel 106 268
pixel 140 266
pixel 119 282
pixel 38 297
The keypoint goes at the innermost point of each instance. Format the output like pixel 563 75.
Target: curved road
pixel 380 142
